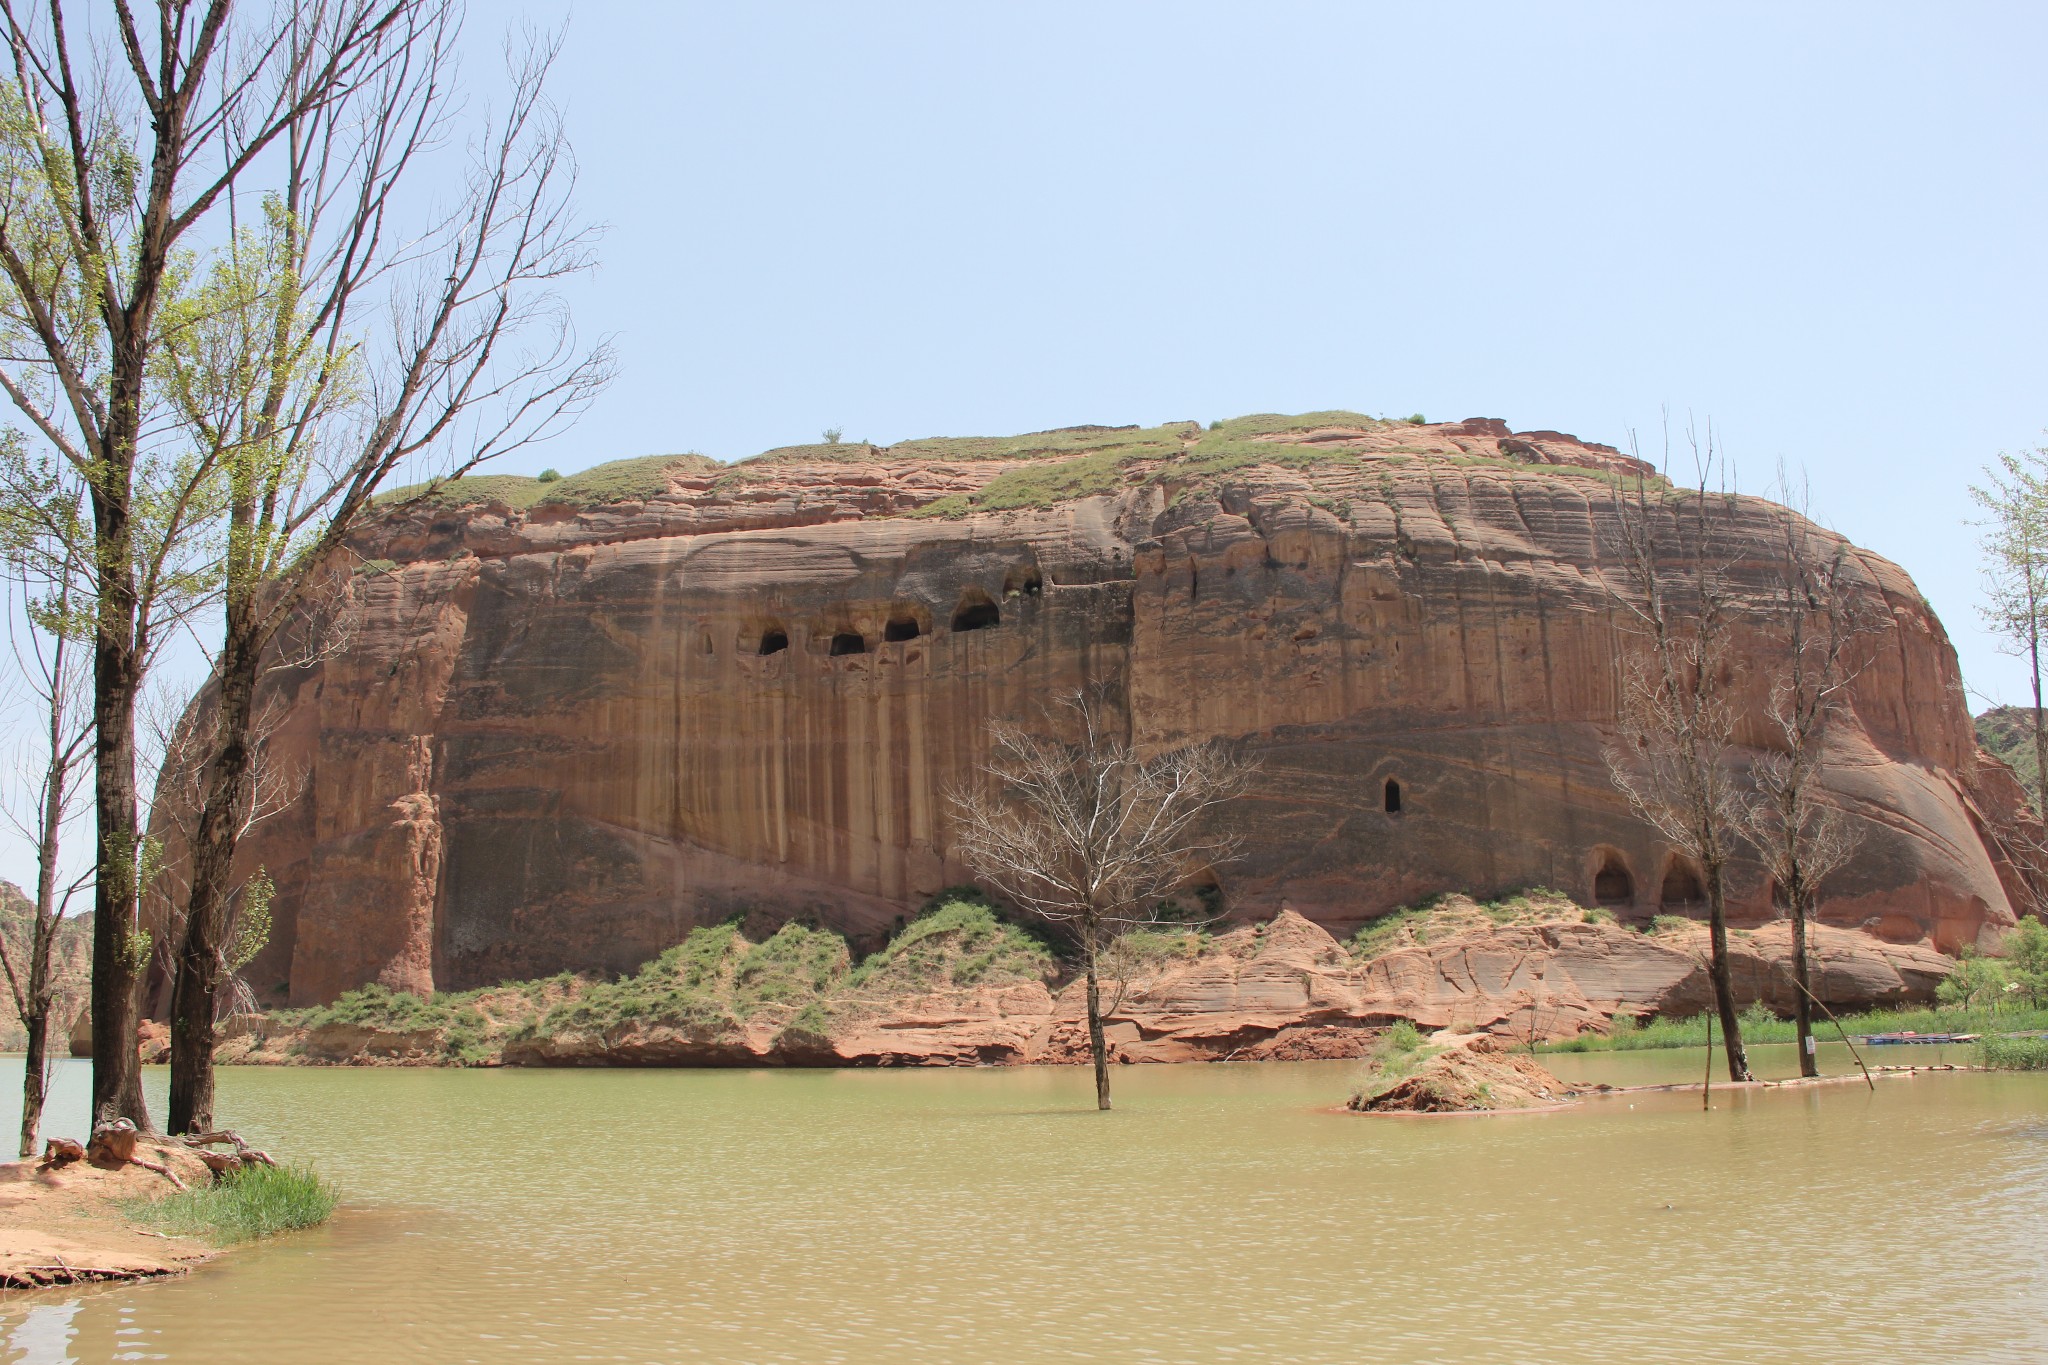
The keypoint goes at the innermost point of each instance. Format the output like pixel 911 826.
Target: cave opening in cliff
pixel 1681 887
pixel 900 629
pixel 1393 797
pixel 977 613
pixel 849 642
pixel 774 641
pixel 1612 885
pixel 1025 581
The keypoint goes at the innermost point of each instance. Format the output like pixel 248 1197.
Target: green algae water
pixel 1220 1214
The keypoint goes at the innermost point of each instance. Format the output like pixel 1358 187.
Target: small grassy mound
pixel 792 966
pixel 464 1017
pixel 1398 1055
pixel 959 940
pixel 680 988
pixel 1455 913
pixel 258 1201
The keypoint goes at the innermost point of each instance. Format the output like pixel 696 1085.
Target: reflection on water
pixel 1220 1214
pixel 42 1330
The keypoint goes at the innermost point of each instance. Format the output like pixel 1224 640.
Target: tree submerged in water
pixel 1088 834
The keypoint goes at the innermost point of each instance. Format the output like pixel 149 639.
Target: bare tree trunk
pixel 1724 986
pixel 1097 1046
pixel 116 1073
pixel 2034 662
pixel 34 1061
pixel 1802 1005
pixel 196 986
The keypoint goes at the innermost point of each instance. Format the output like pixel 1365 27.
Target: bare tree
pixel 1677 718
pixel 324 351
pixel 50 624
pixel 1800 837
pixel 116 148
pixel 2014 541
pixel 1089 834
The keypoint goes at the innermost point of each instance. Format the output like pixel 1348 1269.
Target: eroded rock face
pixel 561 738
pixel 1284 990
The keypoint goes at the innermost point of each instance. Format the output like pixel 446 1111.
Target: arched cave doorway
pixel 1612 885
pixel 976 612
pixel 1392 797
pixel 849 642
pixel 1681 892
pixel 774 640
pixel 901 628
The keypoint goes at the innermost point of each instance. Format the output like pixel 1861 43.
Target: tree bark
pixel 1724 986
pixel 1802 1004
pixel 116 1073
pixel 2034 660
pixel 1096 1044
pixel 32 1080
pixel 195 987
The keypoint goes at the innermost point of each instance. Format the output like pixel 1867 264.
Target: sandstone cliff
pixel 577 720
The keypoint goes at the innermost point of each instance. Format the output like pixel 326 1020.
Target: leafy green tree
pixel 278 366
pixel 2026 960
pixel 1976 983
pixel 2014 542
pixel 119 139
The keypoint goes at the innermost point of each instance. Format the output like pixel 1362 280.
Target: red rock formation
pixel 564 736
pixel 1284 990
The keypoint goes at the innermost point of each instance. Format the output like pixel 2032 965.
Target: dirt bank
pixel 65 1224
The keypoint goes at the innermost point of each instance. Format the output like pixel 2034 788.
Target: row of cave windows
pixel 975 612
pixel 1613 885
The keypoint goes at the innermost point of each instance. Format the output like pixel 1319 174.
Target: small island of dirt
pixel 1477 1077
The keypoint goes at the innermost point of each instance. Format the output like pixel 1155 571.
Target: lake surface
pixel 989 1215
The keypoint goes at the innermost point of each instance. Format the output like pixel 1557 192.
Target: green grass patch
pixel 959 940
pixel 630 480
pixel 1380 935
pixel 1761 1026
pixel 1451 912
pixel 790 967
pixel 255 1202
pixel 1283 424
pixel 2013 1054
pixel 1398 1055
pixel 634 480
pixel 682 988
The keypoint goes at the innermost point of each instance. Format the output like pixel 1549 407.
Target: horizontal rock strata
pixel 1281 991
pixel 560 736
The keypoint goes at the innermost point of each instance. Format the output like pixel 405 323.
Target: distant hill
pixel 2007 732
pixel 74 961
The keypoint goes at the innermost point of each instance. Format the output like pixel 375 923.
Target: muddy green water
pixel 1219 1215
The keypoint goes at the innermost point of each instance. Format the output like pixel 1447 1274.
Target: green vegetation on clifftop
pixel 632 480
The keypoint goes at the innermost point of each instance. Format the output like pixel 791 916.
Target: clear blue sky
pixel 1819 224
